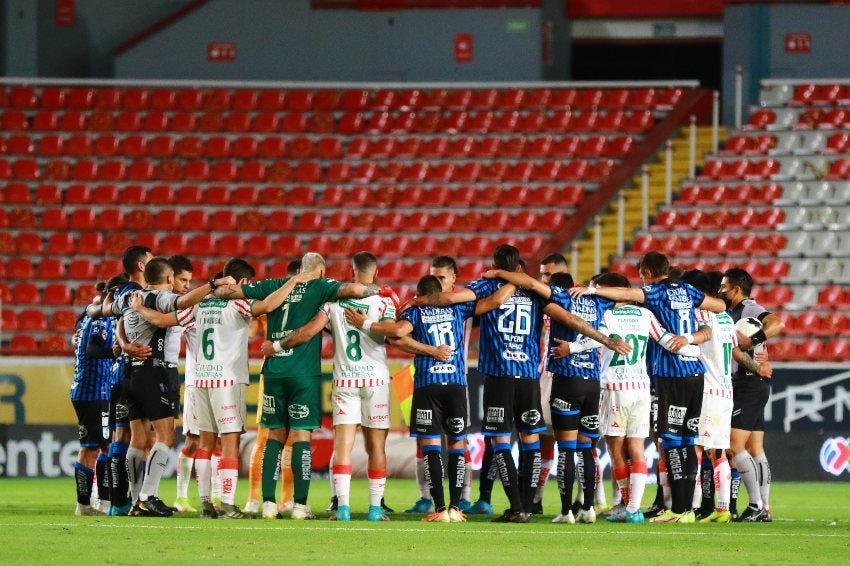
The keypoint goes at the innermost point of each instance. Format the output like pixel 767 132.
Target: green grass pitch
pixel 37 526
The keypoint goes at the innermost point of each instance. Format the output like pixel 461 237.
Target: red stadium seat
pixel 22 345
pixel 24 294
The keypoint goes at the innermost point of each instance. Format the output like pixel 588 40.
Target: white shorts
pixel 190 420
pixel 715 422
pixel 365 406
pixel 625 413
pixel 221 409
pixel 545 393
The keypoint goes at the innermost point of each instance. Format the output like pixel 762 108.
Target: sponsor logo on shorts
pixel 495 414
pixel 165 401
pixel 424 417
pixel 226 420
pixel 676 415
pixel 121 411
pixel 82 431
pixel 560 404
pixel 228 407
pixel 379 418
pixel 269 406
pixel 455 425
pixel 531 417
pixel 443 368
pixel 590 422
pixel 298 411
pixel 381 405
pixel 693 424
pixel 512 356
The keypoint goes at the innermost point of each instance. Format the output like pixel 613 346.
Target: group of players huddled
pixel 664 360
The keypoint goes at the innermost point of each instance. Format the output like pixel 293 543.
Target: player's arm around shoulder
pixel 407 344
pixel 618 294
pixel 713 304
pixel 495 300
pixel 298 336
pixel 155 317
pixel 562 316
pixel 278 297
pixel 389 328
pixel 521 280
pixel 197 294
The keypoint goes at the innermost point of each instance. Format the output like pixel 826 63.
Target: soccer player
pixel 292 384
pixel 221 361
pixel 440 406
pixel 93 359
pixel 185 459
pixel 152 387
pixel 625 405
pixel 509 356
pixel 678 380
pixel 122 459
pixel 751 393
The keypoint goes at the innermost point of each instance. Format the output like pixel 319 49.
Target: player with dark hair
pixel 93 359
pixel 678 379
pixel 751 393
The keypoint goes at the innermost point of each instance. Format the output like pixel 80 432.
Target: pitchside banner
pixel 808 424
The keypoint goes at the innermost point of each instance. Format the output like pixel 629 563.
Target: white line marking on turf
pixel 232 526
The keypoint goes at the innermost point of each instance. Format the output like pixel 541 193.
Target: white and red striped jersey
pixel 636 326
pixel 716 354
pixel 221 354
pixel 360 358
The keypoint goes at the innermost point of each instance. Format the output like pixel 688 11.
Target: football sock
pixel 749 476
pixel 271 468
pixel 723 483
pixel 508 474
pixel 103 477
pixel 118 470
pixel 547 456
pixel 487 475
pixel 215 459
pixel 377 482
pixel 599 487
pixel 228 469
pixel 734 487
pixel 664 482
pixel 530 464
pixel 466 493
pixel 764 478
pixel 660 468
pixel 255 470
pixel 135 471
pixel 588 475
pixel 433 470
pixel 84 477
pixel 287 480
pixel 691 473
pixel 457 476
pixel 566 473
pixel 637 485
pixel 302 471
pixel 342 483
pixel 203 469
pixel 154 470
pixel 621 476
pixel 676 475
pixel 707 479
pixel 184 472
pixel 421 483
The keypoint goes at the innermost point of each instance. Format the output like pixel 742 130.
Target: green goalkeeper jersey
pixel 300 306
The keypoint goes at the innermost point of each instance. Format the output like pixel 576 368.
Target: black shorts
pixel 119 414
pixel 153 393
pixel 574 402
pixel 92 423
pixel 509 402
pixel 439 409
pixel 679 406
pixel 653 411
pixel 750 396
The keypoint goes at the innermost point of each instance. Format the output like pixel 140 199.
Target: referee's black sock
pixel 433 461
pixel 566 473
pixel 507 473
pixel 530 465
pixel 487 474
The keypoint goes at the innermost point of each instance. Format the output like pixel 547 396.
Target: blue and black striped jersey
pixel 437 326
pixel 589 308
pixel 674 304
pixel 510 335
pixel 92 376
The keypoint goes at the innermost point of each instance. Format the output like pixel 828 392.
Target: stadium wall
pixel 807 421
pixel 756 37
pixel 290 41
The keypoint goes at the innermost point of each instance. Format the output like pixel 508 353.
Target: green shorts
pixel 292 402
